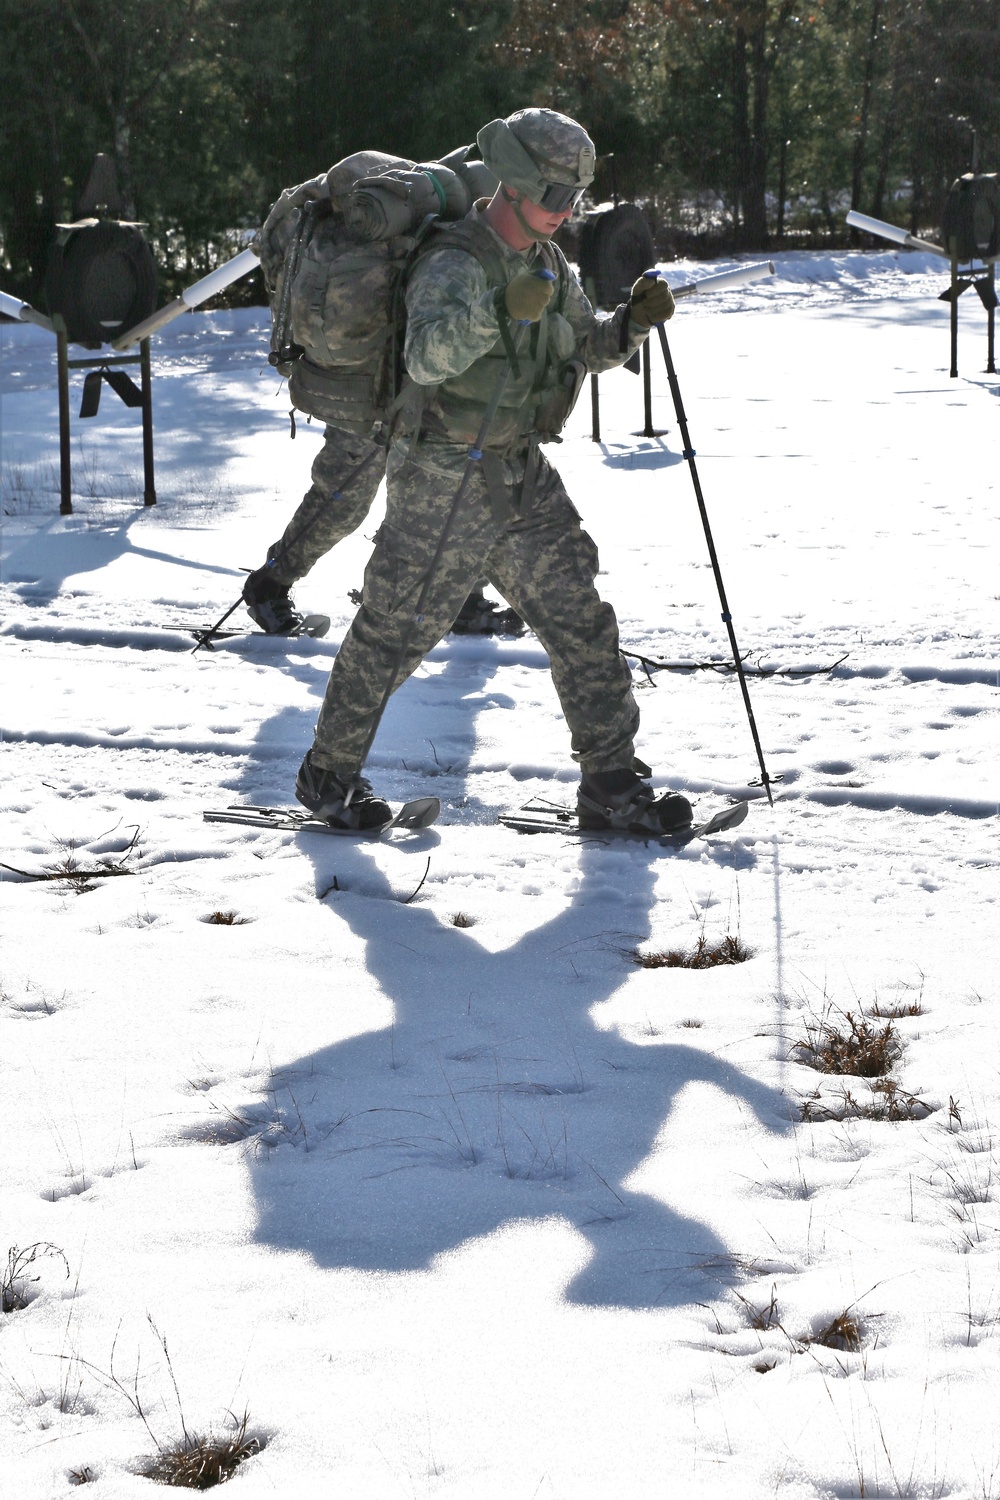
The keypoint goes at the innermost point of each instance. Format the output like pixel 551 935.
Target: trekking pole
pixel 689 453
pixel 204 637
pixel 475 457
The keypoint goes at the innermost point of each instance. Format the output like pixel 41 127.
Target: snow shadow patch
pixel 642 454
pixel 493 1097
pixel 39 565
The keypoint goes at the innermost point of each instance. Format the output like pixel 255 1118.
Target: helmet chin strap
pixel 515 200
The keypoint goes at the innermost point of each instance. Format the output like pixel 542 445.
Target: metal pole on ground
pixel 689 454
pixel 65 462
pixel 954 309
pixel 149 486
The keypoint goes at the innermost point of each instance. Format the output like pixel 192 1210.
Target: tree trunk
pixel 917 201
pixel 755 202
pixel 741 132
pixel 753 64
pixel 123 161
pixel 861 139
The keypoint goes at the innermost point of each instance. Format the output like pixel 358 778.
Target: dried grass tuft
pixel 856 1048
pixel 226 919
pixel 704 955
pixel 200 1463
pixel 85 1475
pixel 762 1318
pixel 844 1332
pixel 16 1282
pixel 887 1101
pixel 885 1012
pixel 462 919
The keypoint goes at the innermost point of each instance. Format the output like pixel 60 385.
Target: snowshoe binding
pixel 621 801
pixel 269 605
pixel 347 804
pixel 480 616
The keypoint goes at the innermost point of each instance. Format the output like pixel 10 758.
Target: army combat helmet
pixel 543 155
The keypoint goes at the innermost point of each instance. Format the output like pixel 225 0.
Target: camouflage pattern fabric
pixel 534 551
pixel 325 517
pixel 453 338
pixel 533 147
pixel 543 562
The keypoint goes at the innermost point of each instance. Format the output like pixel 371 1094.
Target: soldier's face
pixel 542 220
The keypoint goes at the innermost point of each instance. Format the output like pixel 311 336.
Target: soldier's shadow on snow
pixel 498 1092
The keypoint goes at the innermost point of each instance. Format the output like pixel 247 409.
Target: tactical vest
pixel 545 378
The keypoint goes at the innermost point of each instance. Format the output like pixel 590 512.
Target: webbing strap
pixel 496 488
pixel 503 319
pixel 530 476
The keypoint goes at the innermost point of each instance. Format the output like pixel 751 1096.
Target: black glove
pixel 651 301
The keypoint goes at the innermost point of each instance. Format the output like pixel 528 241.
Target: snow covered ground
pixel 450 1195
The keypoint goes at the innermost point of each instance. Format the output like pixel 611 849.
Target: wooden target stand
pixel 104 369
pixel 984 280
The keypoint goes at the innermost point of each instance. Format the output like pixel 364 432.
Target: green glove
pixel 527 296
pixel 651 301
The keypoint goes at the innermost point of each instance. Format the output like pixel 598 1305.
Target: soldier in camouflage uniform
pixel 350 466
pixel 327 514
pixel 516 523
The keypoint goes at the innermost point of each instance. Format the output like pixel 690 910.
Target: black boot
pixel 622 800
pixel 480 616
pixel 269 604
pixel 325 795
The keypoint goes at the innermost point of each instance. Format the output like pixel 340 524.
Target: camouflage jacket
pixel 454 345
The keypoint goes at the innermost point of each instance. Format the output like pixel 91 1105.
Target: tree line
pixel 738 124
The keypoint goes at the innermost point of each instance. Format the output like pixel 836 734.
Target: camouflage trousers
pixel 537 556
pixel 326 516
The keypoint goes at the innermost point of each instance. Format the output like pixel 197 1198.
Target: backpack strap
pixel 283 350
pixel 477 240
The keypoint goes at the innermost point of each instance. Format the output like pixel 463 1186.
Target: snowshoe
pixel 410 818
pixel 622 801
pixel 541 816
pixel 269 605
pixel 349 804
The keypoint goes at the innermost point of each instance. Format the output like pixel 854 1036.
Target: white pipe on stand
pixel 23 312
pixel 724 280
pixel 192 296
pixel 892 232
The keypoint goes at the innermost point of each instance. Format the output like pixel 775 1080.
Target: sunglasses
pixel 558 196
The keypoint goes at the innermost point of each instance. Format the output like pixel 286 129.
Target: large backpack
pixel 334 252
